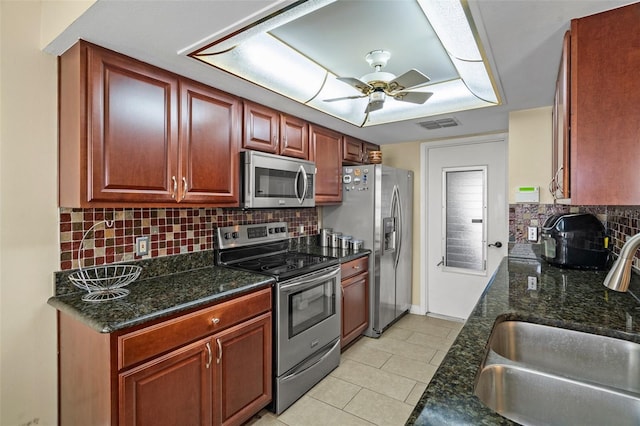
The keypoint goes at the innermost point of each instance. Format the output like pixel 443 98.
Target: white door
pixel 466 221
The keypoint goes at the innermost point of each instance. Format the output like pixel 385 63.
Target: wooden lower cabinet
pixel 242 377
pixel 172 390
pixel 208 367
pixel 355 300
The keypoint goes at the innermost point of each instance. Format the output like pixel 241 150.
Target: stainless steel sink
pixel 542 375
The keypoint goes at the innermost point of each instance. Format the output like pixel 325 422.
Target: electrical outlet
pixel 532 283
pixel 532 233
pixel 142 246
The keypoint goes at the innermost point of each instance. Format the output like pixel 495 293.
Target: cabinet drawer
pixel 356 266
pixel 148 342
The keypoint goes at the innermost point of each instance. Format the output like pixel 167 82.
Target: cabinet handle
pixel 175 187
pixel 215 321
pixel 184 188
pixel 209 355
pixel 356 267
pixel 219 357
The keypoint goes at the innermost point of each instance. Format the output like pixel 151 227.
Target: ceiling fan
pixel 380 84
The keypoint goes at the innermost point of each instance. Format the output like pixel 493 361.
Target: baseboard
pixel 445 317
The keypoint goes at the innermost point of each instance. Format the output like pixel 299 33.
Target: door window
pixel 464 216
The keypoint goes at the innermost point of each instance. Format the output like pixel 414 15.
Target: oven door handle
pixel 309 281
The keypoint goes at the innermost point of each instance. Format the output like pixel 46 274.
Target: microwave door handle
pixel 298 174
pixel 305 180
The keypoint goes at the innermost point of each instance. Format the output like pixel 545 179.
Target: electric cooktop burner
pixel 263 248
pixel 283 262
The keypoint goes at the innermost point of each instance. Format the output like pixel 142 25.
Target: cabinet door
pixel 355 307
pixel 352 150
pixel 209 143
pixel 366 149
pixel 605 95
pixel 294 137
pixel 326 150
pixel 133 130
pixel 174 389
pixel 261 126
pixel 560 183
pixel 242 381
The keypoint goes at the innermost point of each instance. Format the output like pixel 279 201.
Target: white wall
pixel 29 248
pixel 530 151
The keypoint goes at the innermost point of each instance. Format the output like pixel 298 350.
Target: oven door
pixel 276 181
pixel 308 311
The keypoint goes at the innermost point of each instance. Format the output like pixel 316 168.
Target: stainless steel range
pixel 306 304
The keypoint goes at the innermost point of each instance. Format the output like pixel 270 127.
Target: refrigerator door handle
pixel 396 212
pixel 400 226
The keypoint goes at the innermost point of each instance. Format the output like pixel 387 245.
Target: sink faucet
pixel 620 274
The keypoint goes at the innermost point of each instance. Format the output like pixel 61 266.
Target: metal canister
pixel 335 239
pixel 345 242
pixel 356 245
pixel 325 237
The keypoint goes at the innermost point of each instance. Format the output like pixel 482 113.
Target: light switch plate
pixel 532 283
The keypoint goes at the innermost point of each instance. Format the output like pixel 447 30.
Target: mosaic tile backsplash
pixel 183 230
pixel 170 230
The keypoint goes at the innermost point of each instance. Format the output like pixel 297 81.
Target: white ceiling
pixel 522 39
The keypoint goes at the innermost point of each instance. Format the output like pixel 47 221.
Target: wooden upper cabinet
pixel 356 151
pixel 352 150
pixel 294 137
pixel 261 127
pixel 605 94
pixel 209 135
pixel 367 147
pixel 121 142
pixel 118 133
pixel 560 182
pixel 268 130
pixel 325 149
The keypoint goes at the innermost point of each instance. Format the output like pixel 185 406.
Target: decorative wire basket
pixel 103 282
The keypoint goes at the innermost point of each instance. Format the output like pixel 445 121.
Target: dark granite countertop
pixel 158 297
pixel 565 298
pixel 168 286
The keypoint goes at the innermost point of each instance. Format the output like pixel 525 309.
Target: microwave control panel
pixel 356 178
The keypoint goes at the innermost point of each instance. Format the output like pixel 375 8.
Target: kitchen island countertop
pixel 560 297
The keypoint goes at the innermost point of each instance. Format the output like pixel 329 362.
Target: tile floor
pixel 378 382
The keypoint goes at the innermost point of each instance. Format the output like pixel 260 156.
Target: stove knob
pixel 227 235
pixel 271 230
pixel 235 234
pixel 283 229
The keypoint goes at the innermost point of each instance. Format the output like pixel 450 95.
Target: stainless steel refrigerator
pixel 377 207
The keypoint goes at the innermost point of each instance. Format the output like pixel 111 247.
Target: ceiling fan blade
pixel 413 97
pixel 343 98
pixel 358 84
pixel 407 80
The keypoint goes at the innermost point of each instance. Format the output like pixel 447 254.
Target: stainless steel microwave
pixel 274 181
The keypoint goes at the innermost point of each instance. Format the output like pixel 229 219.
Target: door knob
pixel 497 244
